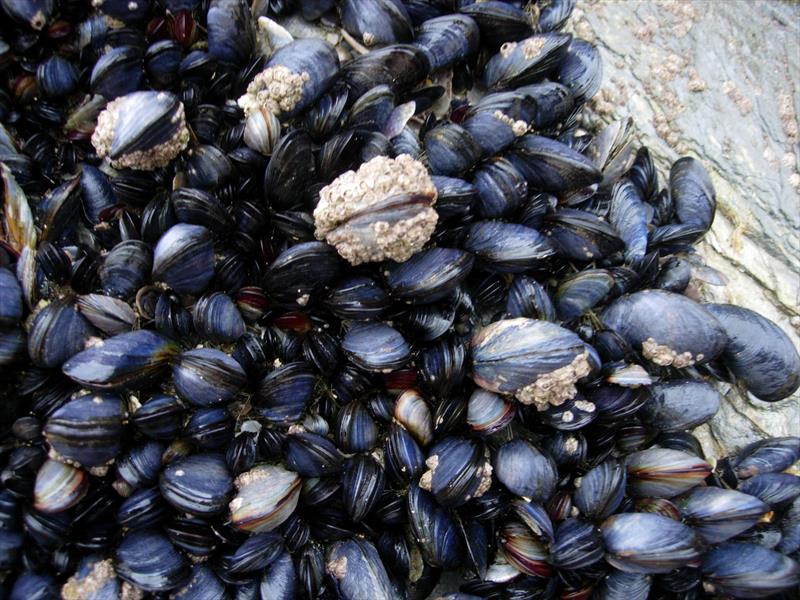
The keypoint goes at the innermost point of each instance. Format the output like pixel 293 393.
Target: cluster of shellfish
pixel 285 319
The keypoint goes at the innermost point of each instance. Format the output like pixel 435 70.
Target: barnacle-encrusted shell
pixel 155 157
pixel 276 88
pixel 355 193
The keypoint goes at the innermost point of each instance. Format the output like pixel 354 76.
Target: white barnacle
pixel 665 356
pixel 277 89
pixel 375 195
pixel 556 387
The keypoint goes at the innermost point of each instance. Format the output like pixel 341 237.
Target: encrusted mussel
pixel 142 130
pixel 684 333
pixel 382 211
pixel 293 78
pixel 537 361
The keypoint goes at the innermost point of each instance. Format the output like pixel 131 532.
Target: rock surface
pixel 717 81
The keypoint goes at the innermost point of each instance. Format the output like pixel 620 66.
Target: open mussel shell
pixel 122 361
pixel 680 404
pixel 149 561
pixel 756 351
pixel 58 487
pixel 686 333
pixel 86 431
pixel 266 496
pixel 664 473
pixel 648 543
pixel 537 361
pixel 375 347
pixel 718 514
pixel 748 571
pixel 198 484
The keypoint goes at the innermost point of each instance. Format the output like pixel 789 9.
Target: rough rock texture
pixel 717 81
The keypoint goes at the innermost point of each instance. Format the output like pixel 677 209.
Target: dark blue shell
pixel 10 299
pixel 434 530
pixel 448 39
pixel 140 465
pixel 525 471
pixel 283 393
pixel 125 360
pixel 199 484
pixel 57 77
pixel 358 297
pixel 279 580
pixel 160 418
pixel 429 275
pixel 148 560
pixel 203 585
pixel 501 189
pixel 144 508
pixel 508 247
pixel 184 258
pixel 117 72
pixel 206 376
pixel 217 318
pixel 231 31
pixel 364 576
pixel 758 352
pixel 749 571
pixel 312 455
pixel 57 333
pixel 88 430
pixel 375 347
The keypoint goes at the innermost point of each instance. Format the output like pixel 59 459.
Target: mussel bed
pixel 332 313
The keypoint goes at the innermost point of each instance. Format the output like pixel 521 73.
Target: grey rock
pixel 716 80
